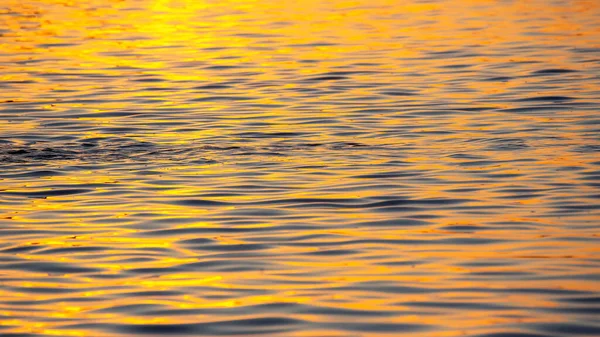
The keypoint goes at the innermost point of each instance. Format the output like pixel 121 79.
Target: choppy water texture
pixel 300 168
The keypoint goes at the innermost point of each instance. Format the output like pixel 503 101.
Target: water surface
pixel 299 168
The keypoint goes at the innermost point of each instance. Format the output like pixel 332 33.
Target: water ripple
pixel 308 168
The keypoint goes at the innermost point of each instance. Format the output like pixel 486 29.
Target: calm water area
pixel 305 168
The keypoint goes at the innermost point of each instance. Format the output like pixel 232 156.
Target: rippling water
pixel 300 168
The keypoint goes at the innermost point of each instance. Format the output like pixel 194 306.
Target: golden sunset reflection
pixel 303 168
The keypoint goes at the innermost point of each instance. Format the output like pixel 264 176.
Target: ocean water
pixel 300 168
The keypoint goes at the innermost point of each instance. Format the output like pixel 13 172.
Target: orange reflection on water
pixel 359 168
